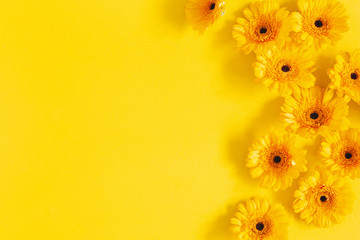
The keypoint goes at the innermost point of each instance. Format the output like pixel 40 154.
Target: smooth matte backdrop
pixel 119 122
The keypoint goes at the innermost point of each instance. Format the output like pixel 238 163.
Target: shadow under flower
pixel 291 6
pixel 238 151
pixel 174 13
pixel 354 113
pixel 323 63
pixel 237 66
pixel 286 198
pixel 220 227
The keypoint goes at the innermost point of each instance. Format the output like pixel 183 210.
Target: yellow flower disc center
pixel 261 226
pixel 285 68
pixel 349 155
pixel 212 6
pixel 279 159
pixel 354 76
pixel 317 26
pixel 264 30
pixel 350 77
pixel 324 196
pixel 213 9
pixel 346 153
pixel 316 117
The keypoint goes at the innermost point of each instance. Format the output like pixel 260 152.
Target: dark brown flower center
pixel 285 68
pixel 277 159
pixel 318 23
pixel 354 76
pixel 348 155
pixel 314 115
pixel 323 198
pixel 263 30
pixel 260 226
pixel 212 6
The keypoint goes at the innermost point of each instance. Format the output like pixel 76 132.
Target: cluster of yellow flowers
pixel 286 45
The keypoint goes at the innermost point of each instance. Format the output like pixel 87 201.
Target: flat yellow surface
pixel 117 121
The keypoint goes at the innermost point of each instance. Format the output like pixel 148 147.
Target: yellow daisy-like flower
pixel 315 111
pixel 322 21
pixel 265 24
pixel 203 13
pixel 276 160
pixel 345 76
pixel 286 68
pixel 341 152
pixel 323 199
pixel 257 219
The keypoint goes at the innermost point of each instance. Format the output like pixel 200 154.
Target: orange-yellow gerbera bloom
pixel 257 219
pixel 315 111
pixel 341 152
pixel 286 69
pixel 276 160
pixel 323 199
pixel 265 24
pixel 345 76
pixel 322 21
pixel 203 13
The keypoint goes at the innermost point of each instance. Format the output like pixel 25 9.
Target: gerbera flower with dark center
pixel 265 24
pixel 203 13
pixel 341 152
pixel 276 160
pixel 257 219
pixel 286 69
pixel 322 21
pixel 345 75
pixel 315 111
pixel 323 199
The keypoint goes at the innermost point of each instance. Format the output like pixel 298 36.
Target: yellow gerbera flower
pixel 276 160
pixel 322 21
pixel 323 199
pixel 286 68
pixel 257 219
pixel 315 111
pixel 203 13
pixel 345 76
pixel 341 152
pixel 265 24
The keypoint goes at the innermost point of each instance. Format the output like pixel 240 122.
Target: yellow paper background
pixel 117 121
